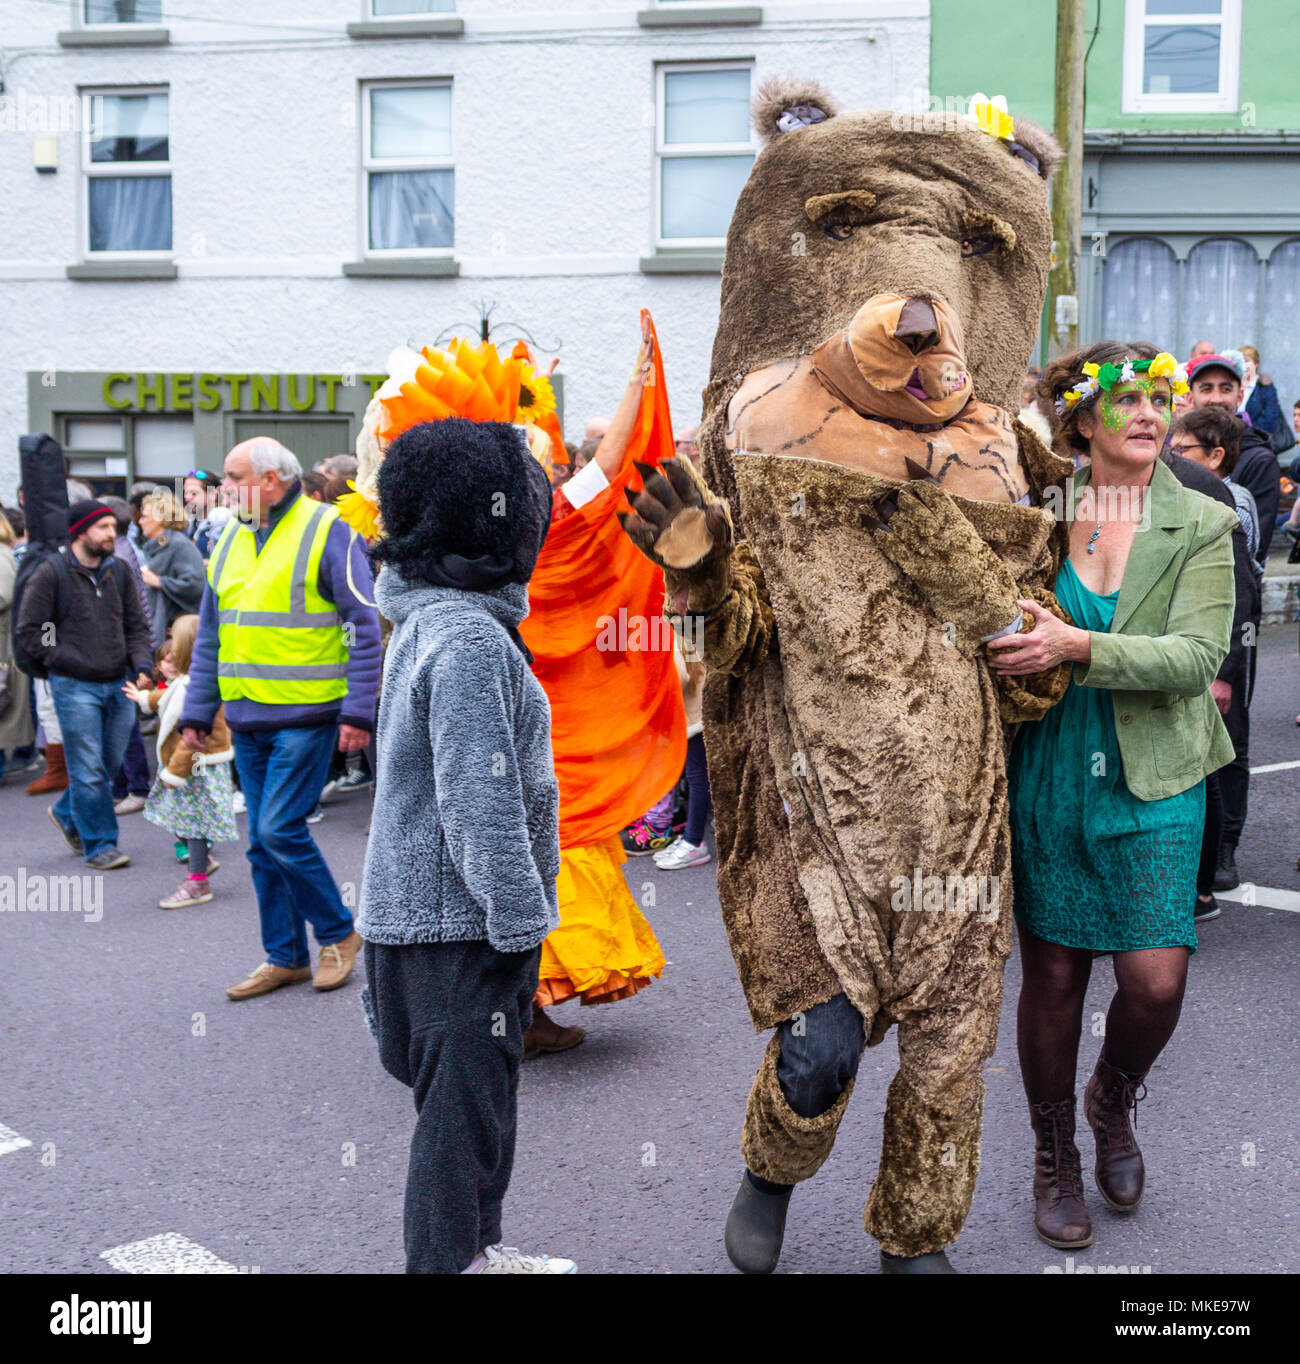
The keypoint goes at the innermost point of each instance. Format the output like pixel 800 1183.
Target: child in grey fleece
pixel 459 884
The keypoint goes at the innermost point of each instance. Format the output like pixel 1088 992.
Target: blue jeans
pixel 820 1054
pixel 132 778
pixel 96 720
pixel 699 802
pixel 281 773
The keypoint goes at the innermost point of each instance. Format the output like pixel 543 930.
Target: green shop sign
pixel 234 392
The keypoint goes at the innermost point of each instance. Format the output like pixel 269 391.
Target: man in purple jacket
pixel 289 642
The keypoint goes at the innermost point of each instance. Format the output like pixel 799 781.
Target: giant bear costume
pixel 869 516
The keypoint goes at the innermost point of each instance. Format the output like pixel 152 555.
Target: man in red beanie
pixel 82 621
pixel 1216 381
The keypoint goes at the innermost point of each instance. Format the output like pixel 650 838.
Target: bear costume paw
pixel 922 531
pixel 677 522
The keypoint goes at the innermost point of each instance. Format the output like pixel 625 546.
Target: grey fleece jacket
pixel 464 841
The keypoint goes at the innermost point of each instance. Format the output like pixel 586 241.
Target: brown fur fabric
pixel 871 660
pixel 776 1143
pixel 885 740
pixel 928 1166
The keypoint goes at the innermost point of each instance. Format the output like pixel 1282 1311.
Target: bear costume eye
pixel 840 214
pixel 983 232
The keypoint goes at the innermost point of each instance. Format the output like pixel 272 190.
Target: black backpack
pixel 45 507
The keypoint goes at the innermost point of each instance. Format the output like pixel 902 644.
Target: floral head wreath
pixel 466 380
pixel 1105 377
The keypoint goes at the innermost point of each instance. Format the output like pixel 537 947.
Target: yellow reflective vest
pixel 280 641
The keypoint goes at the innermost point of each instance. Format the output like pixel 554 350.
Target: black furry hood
pixel 465 505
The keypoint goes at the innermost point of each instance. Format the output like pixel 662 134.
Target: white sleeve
pixel 588 482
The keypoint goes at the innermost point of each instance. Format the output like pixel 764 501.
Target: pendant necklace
pixel 1092 539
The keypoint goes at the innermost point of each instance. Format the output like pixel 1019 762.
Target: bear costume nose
pixel 918 328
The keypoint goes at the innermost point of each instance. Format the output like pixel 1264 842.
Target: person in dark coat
pixel 1216 381
pixel 81 621
pixel 1262 406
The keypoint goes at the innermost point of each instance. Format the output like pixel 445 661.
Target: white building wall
pixel 553 123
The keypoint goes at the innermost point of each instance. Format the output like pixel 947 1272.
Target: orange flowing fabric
pixel 604 653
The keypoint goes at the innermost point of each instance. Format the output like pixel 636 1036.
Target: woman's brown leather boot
pixel 1060 1215
pixel 55 776
pixel 1110 1095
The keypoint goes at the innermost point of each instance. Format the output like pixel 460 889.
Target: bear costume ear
pixel 784 104
pixel 1036 147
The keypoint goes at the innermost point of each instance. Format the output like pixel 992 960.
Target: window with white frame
pixel 126 158
pixel 705 148
pixel 409 180
pixel 1182 56
pixel 409 9
pixel 95 12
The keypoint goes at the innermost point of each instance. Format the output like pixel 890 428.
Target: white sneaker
pixel 507 1260
pixel 682 854
pixel 129 805
pixel 241 805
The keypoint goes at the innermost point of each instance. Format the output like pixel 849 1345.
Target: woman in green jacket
pixel 1108 790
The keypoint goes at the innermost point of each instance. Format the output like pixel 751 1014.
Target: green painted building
pixel 1191 187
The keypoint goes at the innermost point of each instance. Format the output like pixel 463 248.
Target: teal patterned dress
pixel 1094 867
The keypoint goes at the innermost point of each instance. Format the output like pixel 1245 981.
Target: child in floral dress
pixel 193 797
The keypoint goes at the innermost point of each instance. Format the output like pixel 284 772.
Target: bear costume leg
pixel 928 1164
pixel 929 1159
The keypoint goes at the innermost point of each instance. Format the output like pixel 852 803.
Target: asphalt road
pixel 266 1133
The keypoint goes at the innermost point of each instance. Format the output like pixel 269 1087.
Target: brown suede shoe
pixel 546 1035
pixel 336 962
pixel 265 978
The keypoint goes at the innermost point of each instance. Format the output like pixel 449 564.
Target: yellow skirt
pixel 604 949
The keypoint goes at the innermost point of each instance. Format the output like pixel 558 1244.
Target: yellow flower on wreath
pixel 1163 366
pixel 359 512
pixel 536 397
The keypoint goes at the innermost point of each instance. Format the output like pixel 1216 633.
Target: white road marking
pixel 169 1253
pixel 10 1140
pixel 1265 896
pixel 1275 767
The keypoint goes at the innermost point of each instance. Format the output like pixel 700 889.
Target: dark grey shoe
pixel 108 859
pixel 70 836
pixel 1225 874
pixel 756 1228
pixel 915 1264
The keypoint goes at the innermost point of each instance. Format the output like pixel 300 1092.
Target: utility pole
pixel 1067 193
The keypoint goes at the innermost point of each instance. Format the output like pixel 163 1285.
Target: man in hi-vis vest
pixel 289 642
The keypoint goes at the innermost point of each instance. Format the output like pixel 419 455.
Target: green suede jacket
pixel 1172 629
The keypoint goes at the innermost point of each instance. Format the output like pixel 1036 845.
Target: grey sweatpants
pixel 450 1020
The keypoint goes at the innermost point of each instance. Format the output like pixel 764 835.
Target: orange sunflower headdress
pixel 466 380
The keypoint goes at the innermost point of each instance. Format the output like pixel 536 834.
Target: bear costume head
pixel 844 210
